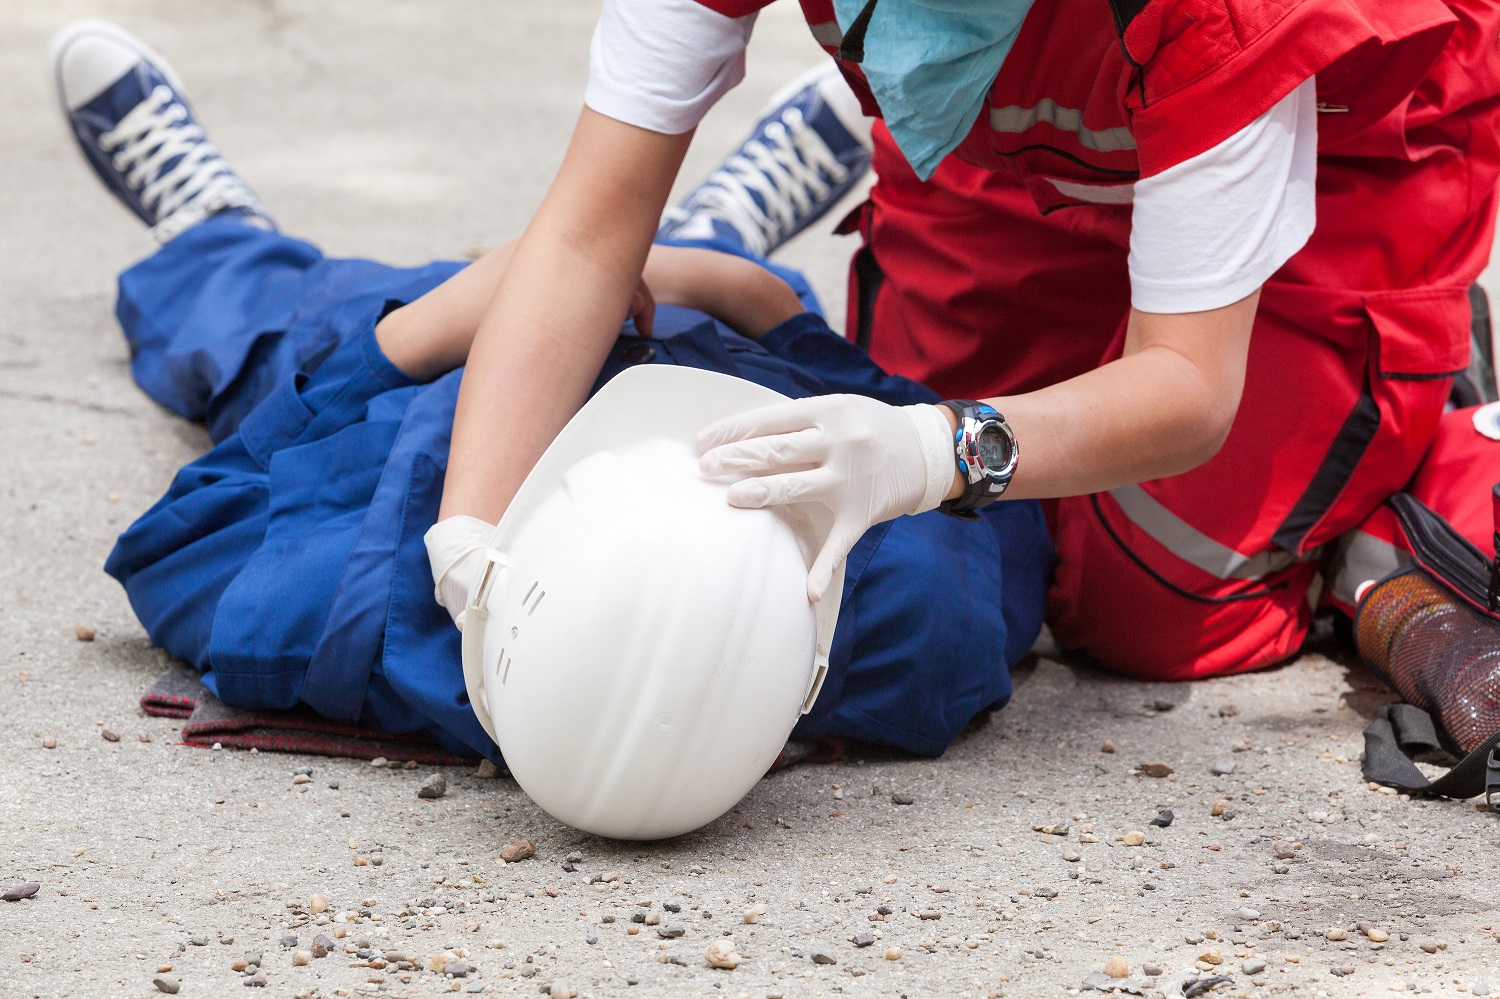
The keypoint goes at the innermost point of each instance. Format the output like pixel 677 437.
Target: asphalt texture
pixel 407 131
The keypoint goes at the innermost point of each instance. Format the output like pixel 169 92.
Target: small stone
pixel 109 735
pixel 670 932
pixel 21 891
pixel 1432 946
pixel 301 779
pixel 1220 807
pixel 1164 818
pixel 1344 971
pixel 317 904
pixel 410 765
pixel 1134 838
pixel 1377 935
pixel 1117 967
pixel 256 982
pixel 720 954
pixel 321 945
pixel 1052 828
pixel 1480 989
pixel 591 939
pixel 164 983
pixel 862 939
pixel 289 941
pixel 143 736
pixel 1228 710
pixel 1108 747
pixel 49 743
pixel 1223 768
pixel 457 969
pixel 86 634
pixel 379 761
pixel 226 939
pixel 1284 850
pixel 902 799
pixel 560 989
pixel 1249 915
pixel 1151 970
pixel 753 915
pixel 1280 869
pixel 893 953
pixel 198 941
pixel 300 958
pixel 823 957
pixel 1211 956
pixel 487 770
pixel 1156 769
pixel 574 858
pixel 1336 933
pixel 433 787
pixel 1252 966
pixel 520 850
pixel 1071 855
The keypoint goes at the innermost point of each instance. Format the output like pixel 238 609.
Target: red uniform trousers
pixel 964 285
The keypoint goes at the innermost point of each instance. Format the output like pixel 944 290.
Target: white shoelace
pixel 791 169
pixel 199 184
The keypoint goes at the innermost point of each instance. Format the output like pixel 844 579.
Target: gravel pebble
pixel 86 634
pixel 893 953
pixel 433 787
pixel 49 743
pixel 1252 966
pixel 862 939
pixel 721 954
pixel 21 891
pixel 1117 967
pixel 1156 769
pixel 109 735
pixel 1151 970
pixel 1164 818
pixel 1134 838
pixel 167 984
pixel 321 945
pixel 823 957
pixel 300 958
pixel 1479 989
pixel 487 770
pixel 1336 933
pixel 671 932
pixel 902 799
pixel 514 853
pixel 1223 768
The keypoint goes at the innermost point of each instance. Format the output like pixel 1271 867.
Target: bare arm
pixel 1162 409
pixel 556 310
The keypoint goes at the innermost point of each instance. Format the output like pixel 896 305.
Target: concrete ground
pixel 406 130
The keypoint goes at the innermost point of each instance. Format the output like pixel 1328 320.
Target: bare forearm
pixel 556 310
pixel 1162 409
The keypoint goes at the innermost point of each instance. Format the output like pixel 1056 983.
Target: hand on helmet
pixel 455 549
pixel 864 460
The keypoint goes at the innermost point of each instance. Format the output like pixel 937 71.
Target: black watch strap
pixel 983 486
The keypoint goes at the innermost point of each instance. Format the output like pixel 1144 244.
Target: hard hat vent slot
pixel 526 600
pixel 505 674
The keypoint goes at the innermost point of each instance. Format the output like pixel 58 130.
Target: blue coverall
pixel 288 563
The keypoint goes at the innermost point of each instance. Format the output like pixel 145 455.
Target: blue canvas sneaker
pixel 127 109
pixel 810 147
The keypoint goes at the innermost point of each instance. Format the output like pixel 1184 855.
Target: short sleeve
pixel 661 64
pixel 1210 230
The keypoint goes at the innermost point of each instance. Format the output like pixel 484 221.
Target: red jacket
pixel 1091 97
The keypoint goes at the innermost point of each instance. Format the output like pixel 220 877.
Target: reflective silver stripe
pixel 1192 545
pixel 1018 119
pixel 1359 557
pixel 828 33
pixel 1098 194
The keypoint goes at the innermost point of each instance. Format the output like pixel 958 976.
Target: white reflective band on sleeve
pixel 1098 194
pixel 1018 119
pixel 827 33
pixel 1190 544
pixel 1359 558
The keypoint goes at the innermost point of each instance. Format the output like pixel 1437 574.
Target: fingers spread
pixel 765 454
pixel 774 490
pixel 781 418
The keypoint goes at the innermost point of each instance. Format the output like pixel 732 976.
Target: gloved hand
pixel 455 549
pixel 865 460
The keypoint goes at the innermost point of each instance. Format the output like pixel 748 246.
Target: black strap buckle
pixel 1492 780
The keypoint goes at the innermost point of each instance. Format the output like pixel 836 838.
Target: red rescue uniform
pixel 1007 271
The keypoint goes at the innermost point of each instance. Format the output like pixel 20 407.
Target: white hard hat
pixel 638 648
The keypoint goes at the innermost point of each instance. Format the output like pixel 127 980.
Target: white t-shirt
pixel 1204 233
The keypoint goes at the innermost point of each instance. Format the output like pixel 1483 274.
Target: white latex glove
pixel 455 548
pixel 865 460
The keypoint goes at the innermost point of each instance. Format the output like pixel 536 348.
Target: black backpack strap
pixel 1125 12
pixel 1401 732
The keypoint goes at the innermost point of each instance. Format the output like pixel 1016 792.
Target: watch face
pixel 994 449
